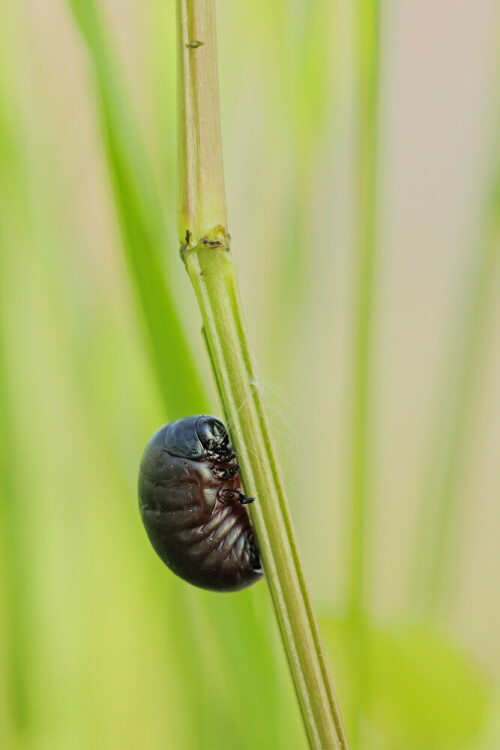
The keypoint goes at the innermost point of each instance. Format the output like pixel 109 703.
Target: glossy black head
pixel 197 438
pixel 213 436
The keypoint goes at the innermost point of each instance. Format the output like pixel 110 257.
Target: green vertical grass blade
pixel 308 51
pixel 367 23
pixel 15 552
pixel 141 222
pixel 15 555
pixel 144 242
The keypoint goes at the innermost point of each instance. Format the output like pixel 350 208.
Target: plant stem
pixel 201 195
pixel 366 20
pixel 213 275
pixel 205 247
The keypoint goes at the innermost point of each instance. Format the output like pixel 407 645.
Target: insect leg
pixel 231 496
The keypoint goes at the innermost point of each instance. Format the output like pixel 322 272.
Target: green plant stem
pixel 205 248
pixel 366 20
pixel 201 194
pixel 213 275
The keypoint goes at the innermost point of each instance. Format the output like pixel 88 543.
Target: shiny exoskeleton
pixel 192 505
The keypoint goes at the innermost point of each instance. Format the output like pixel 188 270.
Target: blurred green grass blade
pixel 141 222
pixel 140 215
pixel 307 48
pixel 438 541
pixel 366 48
pixel 14 550
pixel 14 574
pixel 367 31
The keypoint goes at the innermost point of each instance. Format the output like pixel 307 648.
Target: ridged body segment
pixel 199 535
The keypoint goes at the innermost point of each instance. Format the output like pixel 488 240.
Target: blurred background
pixel 100 646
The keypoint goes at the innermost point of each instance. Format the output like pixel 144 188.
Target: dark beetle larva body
pixel 192 506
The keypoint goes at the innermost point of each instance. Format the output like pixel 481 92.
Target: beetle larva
pixel 192 505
